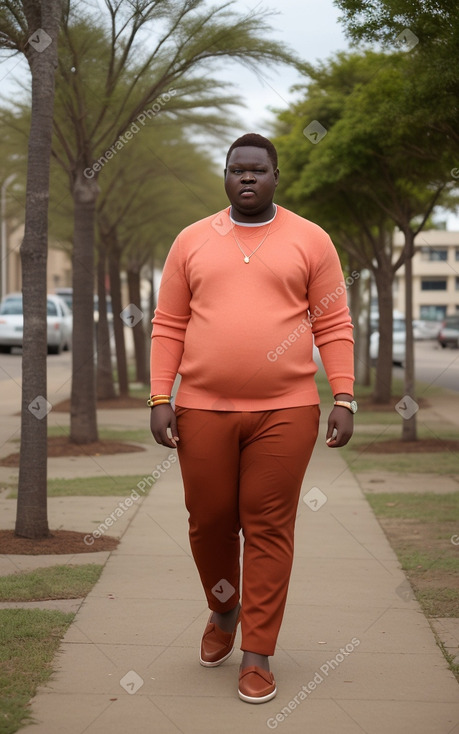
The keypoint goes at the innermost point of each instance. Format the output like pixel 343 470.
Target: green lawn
pixel 420 527
pixel 448 600
pixel 140 435
pixel 29 639
pixel 118 486
pixel 428 463
pixel 56 582
pixel 424 561
pixel 424 507
pixel 360 457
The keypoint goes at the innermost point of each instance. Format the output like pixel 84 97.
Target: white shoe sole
pixel 218 662
pixel 257 699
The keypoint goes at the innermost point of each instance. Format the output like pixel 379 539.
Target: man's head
pixel 251 177
pixel 254 140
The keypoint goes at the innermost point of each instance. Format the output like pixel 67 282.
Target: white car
pixel 423 329
pixel 398 342
pixel 59 322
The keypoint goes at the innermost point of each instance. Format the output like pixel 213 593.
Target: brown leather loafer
pixel 256 685
pixel 217 645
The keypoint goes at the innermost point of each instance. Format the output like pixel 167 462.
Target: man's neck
pixel 264 217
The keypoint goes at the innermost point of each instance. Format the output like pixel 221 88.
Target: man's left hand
pixel 340 427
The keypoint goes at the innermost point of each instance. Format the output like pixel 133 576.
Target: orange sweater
pixel 241 335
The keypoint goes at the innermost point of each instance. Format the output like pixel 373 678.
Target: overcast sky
pixel 311 29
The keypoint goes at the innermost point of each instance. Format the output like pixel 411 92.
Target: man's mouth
pixel 247 193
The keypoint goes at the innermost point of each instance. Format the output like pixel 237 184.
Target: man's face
pixel 250 182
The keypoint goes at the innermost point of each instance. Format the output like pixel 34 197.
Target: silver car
pixel 59 323
pixel 449 333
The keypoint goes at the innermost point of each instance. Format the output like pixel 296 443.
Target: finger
pixel 161 437
pixel 331 433
pixel 341 439
pixel 164 440
pixel 331 426
pixel 174 429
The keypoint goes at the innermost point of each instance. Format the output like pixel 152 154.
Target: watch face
pixel 354 406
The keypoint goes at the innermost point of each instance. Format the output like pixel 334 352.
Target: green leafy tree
pixel 366 174
pixel 429 31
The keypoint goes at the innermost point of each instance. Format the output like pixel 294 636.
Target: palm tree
pixel 31 27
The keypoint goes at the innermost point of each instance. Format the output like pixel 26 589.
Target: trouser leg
pixel 208 452
pixel 245 469
pixel 274 458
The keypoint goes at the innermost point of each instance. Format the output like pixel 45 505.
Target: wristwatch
pixel 352 406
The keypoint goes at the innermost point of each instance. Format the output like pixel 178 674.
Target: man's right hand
pixel 163 417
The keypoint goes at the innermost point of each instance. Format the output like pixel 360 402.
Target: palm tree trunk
pixel 105 383
pixel 118 325
pixel 32 514
pixel 138 331
pixel 83 415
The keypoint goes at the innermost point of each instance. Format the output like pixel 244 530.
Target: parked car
pixel 398 341
pixel 449 333
pixel 66 294
pixel 425 329
pixel 59 323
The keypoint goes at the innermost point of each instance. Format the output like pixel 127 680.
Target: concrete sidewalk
pixel 355 653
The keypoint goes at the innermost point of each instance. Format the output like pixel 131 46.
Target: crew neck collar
pixel 253 224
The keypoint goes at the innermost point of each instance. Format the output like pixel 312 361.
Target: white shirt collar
pixel 253 224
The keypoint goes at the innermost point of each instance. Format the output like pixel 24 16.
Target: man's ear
pixel 224 173
pixel 276 176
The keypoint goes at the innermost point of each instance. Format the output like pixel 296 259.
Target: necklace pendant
pixel 246 259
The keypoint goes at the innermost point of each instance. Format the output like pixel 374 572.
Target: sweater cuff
pixel 161 387
pixel 342 384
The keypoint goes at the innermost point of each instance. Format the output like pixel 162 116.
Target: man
pixel 242 295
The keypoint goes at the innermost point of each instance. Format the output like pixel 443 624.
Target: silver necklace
pixel 247 257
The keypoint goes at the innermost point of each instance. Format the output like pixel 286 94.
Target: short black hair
pixel 256 141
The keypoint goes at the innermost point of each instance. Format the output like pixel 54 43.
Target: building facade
pixel 59 266
pixel 435 275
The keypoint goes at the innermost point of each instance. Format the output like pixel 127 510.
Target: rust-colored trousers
pixel 243 471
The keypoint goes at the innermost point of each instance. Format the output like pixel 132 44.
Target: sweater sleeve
pixel 169 323
pixel 331 321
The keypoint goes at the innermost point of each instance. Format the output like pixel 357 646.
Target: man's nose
pixel 248 176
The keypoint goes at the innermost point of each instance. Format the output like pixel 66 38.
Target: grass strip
pixel 426 507
pixel 431 598
pixel 139 435
pixel 56 582
pixel 28 642
pixel 105 486
pixel 360 457
pixel 420 562
pixel 445 464
pixel 420 528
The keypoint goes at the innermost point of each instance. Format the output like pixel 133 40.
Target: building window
pixel 457 254
pixel 457 283
pixel 436 254
pixel 433 284
pixel 432 313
